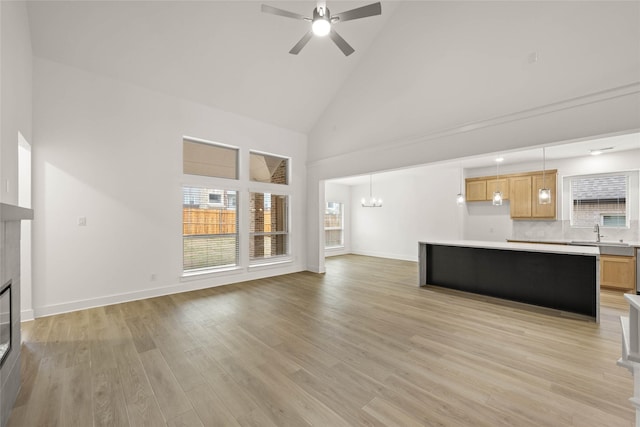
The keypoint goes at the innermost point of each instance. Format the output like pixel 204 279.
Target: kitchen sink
pixel 607 248
pixel 592 243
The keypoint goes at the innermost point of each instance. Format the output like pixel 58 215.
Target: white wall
pixel 483 221
pixel 416 207
pixel 340 193
pixel 453 79
pixel 112 152
pixel 16 98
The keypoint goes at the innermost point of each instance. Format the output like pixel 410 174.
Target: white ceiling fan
pixel 323 23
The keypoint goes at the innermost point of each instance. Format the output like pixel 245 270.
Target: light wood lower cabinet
pixel 617 272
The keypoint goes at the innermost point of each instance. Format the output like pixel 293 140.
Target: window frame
pixel 341 228
pixel 631 198
pixel 215 184
pixel 276 259
pixel 217 145
pixel 264 153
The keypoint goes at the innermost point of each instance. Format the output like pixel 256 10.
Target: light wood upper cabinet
pixel 520 189
pixel 521 198
pixel 476 190
pixel 494 185
pixel 617 272
pixel 544 211
pixel 482 189
pixel 524 196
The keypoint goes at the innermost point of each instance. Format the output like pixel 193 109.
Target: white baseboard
pixel 389 255
pixel 186 286
pixel 26 315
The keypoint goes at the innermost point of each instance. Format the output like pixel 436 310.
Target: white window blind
pixel 206 159
pixel 210 229
pixel 268 226
pixel 599 199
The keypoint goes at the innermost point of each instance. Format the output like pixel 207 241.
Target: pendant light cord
pixel 544 166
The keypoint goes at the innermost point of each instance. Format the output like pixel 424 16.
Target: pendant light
pixel 373 202
pixel 460 196
pixel 544 193
pixel 497 195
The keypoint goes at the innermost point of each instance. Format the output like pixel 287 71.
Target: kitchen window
pixel 600 199
pixel 333 225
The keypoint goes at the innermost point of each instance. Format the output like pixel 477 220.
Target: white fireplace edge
pixel 10 217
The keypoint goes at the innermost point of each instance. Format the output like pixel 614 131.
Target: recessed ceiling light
pixel 598 151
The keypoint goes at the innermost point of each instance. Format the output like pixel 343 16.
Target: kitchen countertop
pixel 564 242
pixel 521 246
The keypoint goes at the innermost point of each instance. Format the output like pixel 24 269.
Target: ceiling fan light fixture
pixel 321 25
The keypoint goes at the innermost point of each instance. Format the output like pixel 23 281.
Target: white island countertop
pixel 527 247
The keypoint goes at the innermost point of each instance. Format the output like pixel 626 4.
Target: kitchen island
pixel 561 277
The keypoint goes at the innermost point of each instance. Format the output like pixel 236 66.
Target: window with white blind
pixel 207 159
pixel 600 199
pixel 209 210
pixel 210 229
pixel 268 226
pixel 333 225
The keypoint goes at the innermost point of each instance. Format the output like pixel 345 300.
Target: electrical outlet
pixel 153 277
pixel 82 221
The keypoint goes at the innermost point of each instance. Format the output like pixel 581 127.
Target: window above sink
pixel 602 199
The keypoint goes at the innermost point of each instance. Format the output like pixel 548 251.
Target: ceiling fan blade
pixel 280 12
pixel 303 41
pixel 360 12
pixel 341 43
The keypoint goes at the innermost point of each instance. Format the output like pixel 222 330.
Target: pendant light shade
pixel 544 193
pixel 372 202
pixel 460 195
pixel 496 200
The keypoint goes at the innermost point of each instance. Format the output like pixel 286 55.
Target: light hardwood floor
pixel 361 345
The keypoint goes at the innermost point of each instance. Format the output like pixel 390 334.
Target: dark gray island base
pixel 562 278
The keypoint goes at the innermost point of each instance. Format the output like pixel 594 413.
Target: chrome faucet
pixel 596 229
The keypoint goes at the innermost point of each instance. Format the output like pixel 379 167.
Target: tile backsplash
pixel 562 230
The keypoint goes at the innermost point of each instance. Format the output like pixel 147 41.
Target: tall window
pixel 209 228
pixel 268 226
pixel 209 211
pixel 333 225
pixel 599 199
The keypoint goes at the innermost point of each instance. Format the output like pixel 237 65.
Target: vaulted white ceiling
pixel 225 54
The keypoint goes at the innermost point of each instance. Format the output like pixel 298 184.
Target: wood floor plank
pixel 141 404
pixel 187 419
pixel 361 345
pixel 168 392
pixel 108 398
pixel 46 399
pixel 76 409
pixel 210 408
